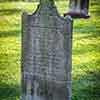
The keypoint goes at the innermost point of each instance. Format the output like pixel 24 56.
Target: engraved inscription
pixel 48 58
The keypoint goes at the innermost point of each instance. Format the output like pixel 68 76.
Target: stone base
pixel 76 15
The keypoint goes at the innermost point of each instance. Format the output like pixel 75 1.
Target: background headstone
pixel 46 54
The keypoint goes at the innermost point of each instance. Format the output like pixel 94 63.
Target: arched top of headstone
pixel 48 8
pixel 47 2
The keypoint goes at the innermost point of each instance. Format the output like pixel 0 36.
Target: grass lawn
pixel 86 51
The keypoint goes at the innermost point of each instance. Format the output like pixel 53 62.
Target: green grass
pixel 86 51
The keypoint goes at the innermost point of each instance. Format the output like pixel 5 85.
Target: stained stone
pixel 46 54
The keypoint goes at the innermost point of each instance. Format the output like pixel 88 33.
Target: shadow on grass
pixel 86 49
pixel 87 36
pixel 9 11
pixel 9 92
pixel 87 87
pixel 10 33
pixel 96 7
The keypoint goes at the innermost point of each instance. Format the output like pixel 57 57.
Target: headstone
pixel 78 9
pixel 46 54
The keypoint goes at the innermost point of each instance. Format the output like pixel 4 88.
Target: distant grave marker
pixel 78 9
pixel 46 54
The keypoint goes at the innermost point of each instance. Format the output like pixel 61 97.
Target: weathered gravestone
pixel 46 54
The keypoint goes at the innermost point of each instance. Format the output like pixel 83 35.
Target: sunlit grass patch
pixel 18 6
pixel 62 7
